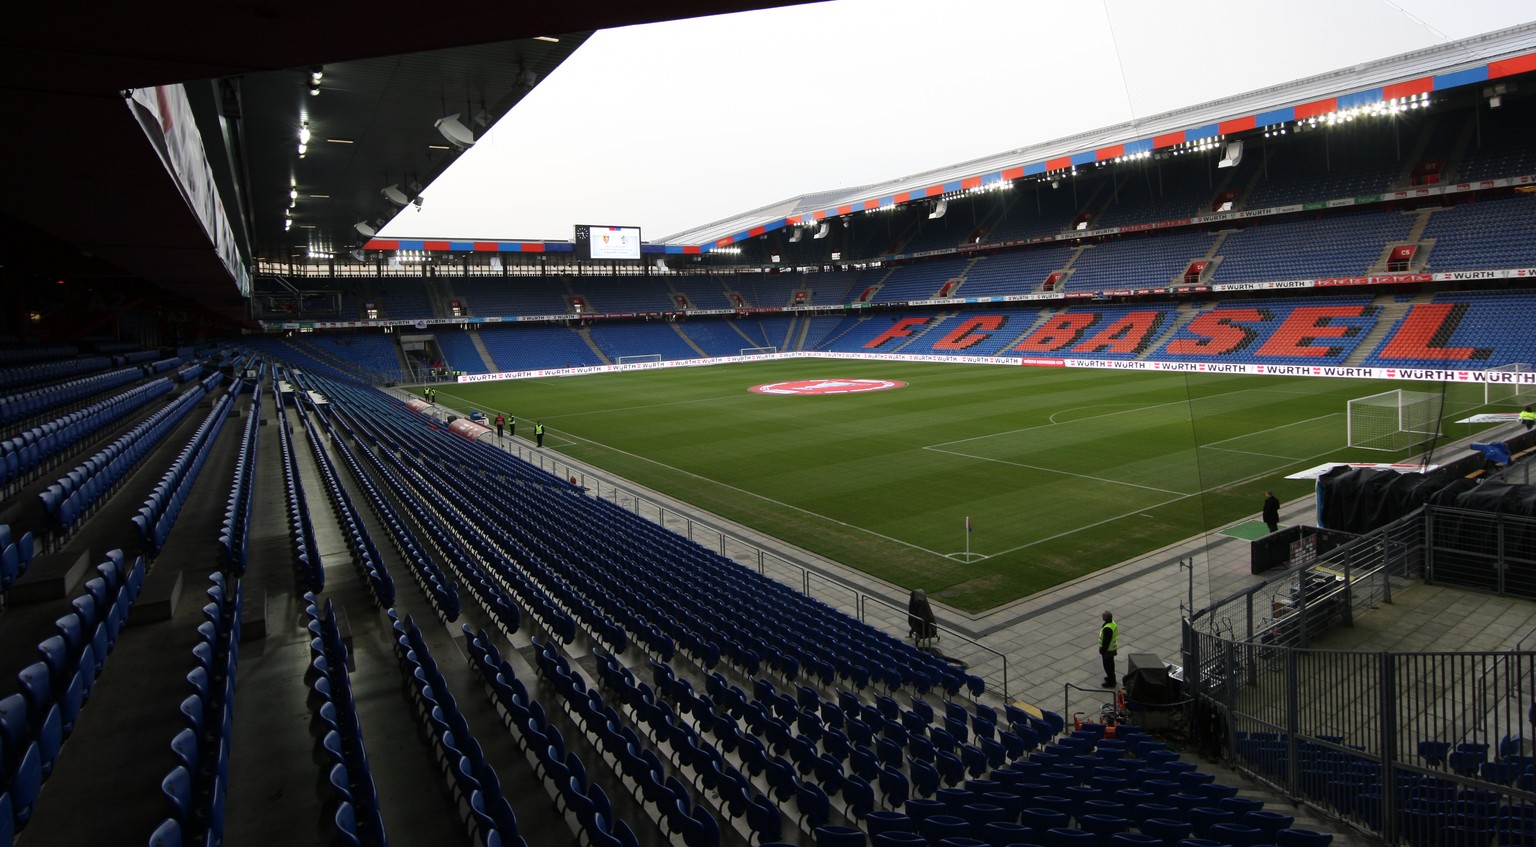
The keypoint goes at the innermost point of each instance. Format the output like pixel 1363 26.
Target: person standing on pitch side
pixel 1271 514
pixel 538 434
pixel 1109 644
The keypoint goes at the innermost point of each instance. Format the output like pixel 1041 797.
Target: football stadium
pixel 1161 484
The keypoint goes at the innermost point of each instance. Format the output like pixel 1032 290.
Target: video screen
pixel 607 242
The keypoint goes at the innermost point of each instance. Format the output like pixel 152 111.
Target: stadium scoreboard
pixel 607 242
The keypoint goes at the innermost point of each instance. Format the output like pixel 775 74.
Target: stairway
pixel 1211 259
pixel 1404 176
pixel 1181 317
pixel 931 325
pixel 1391 312
pixel 586 335
pixel 404 361
pixel 1241 200
pixel 678 328
pixel 485 354
pixel 1448 173
pixel 1415 236
pixel 971 263
pixel 435 299
pixel 1040 319
pixel 799 336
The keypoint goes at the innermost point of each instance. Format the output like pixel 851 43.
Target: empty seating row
pixel 35 722
pixel 580 550
pixel 563 773
pixel 235 530
pixel 40 352
pixel 21 405
pixel 723 769
pixel 162 365
pixel 30 374
pixel 74 495
pixel 1430 809
pixel 158 514
pixel 306 559
pixel 434 514
pixel 474 784
pixel 196 785
pixel 21 455
pixel 353 806
pixel 365 556
pixel 191 372
pixel 15 556
pixel 434 583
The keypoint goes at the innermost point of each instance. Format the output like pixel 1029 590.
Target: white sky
pixel 670 126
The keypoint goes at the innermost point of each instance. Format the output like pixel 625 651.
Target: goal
pixel 1393 420
pixel 1498 393
pixel 757 351
pixel 634 360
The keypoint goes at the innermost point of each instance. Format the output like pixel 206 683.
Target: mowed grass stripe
pixel 1062 471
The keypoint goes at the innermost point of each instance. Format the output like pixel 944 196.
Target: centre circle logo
pixel 804 387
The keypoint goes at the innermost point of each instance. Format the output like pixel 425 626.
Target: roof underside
pixel 87 177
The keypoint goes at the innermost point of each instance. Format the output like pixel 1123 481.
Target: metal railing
pixel 1302 603
pixel 989 664
pixel 1493 551
pixel 1371 738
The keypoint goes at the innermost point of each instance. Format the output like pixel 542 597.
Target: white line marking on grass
pixel 647 406
pixel 1095 406
pixel 1249 452
pixel 1053 470
pixel 1272 429
pixel 761 497
pixel 1231 484
pixel 1183 402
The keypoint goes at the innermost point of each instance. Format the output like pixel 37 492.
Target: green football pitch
pixel 1061 471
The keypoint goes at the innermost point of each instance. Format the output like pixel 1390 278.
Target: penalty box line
pixel 757 496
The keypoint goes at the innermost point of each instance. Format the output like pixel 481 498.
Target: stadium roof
pixel 88 196
pixel 1419 73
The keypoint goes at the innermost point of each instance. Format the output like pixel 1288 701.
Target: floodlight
pixel 393 194
pixel 364 228
pixel 456 132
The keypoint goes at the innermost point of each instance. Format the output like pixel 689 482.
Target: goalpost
pixel 755 351
pixel 643 357
pixel 1509 393
pixel 1393 420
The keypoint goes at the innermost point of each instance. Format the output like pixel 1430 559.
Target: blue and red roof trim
pixel 1399 90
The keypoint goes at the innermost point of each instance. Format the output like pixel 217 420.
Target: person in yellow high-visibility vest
pixel 1527 418
pixel 538 434
pixel 1109 644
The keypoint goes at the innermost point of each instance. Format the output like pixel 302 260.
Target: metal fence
pixel 989 664
pixel 1406 746
pixel 1487 550
pixel 1300 604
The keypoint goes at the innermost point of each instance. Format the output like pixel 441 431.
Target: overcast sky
pixel 670 126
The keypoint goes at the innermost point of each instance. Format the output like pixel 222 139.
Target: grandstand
pixel 254 591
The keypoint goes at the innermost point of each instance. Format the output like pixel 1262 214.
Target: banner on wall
pixel 1220 368
pixel 166 118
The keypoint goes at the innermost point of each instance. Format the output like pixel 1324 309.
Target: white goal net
pixel 643 357
pixel 757 351
pixel 1393 420
pixel 1497 392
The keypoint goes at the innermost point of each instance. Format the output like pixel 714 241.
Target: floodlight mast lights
pixel 455 131
pixel 393 194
